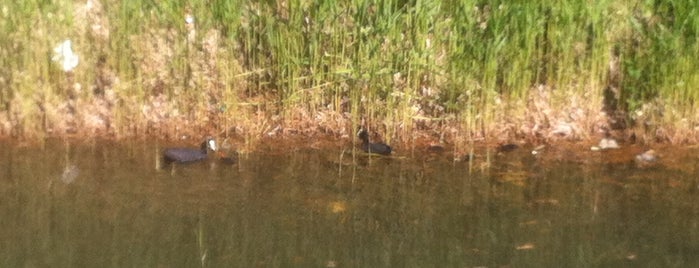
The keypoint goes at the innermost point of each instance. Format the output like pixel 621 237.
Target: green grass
pixel 471 69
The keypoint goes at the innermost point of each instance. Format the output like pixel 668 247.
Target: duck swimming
pixel 375 148
pixel 188 155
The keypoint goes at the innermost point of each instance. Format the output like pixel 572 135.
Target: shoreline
pixel 92 122
pixel 537 123
pixel 526 157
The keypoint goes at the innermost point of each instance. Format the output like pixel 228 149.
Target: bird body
pixel 375 148
pixel 187 155
pixel 509 147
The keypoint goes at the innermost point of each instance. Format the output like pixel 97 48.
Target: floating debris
pixel 525 246
pixel 338 207
pixel 538 149
pixel 647 157
pixel 331 264
pixel 606 144
pixel 70 172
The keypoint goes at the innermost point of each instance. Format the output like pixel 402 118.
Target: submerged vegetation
pixel 434 71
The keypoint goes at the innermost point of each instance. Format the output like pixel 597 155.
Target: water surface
pixel 103 204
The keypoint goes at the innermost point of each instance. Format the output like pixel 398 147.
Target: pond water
pixel 104 204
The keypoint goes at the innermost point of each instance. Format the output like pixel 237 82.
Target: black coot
pixel 186 155
pixel 375 148
pixel 506 148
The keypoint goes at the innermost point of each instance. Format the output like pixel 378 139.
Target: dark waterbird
pixel 187 155
pixel 506 148
pixel 375 148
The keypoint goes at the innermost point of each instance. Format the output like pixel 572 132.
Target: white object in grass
pixel 63 53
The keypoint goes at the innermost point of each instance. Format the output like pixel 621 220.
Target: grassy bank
pixel 455 71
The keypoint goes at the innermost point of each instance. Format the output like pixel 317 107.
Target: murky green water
pixel 106 205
